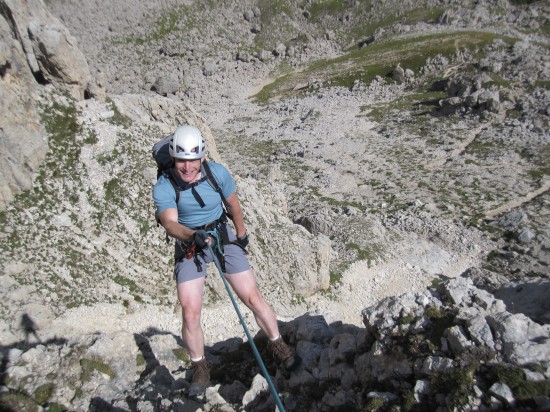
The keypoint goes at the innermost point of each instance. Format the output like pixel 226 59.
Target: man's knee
pixel 255 299
pixel 191 315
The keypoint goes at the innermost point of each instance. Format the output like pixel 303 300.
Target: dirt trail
pixel 491 214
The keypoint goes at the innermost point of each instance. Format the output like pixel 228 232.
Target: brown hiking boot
pixel 201 376
pixel 284 354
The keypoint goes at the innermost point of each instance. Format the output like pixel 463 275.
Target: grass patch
pixel 140 360
pixel 441 321
pixel 43 393
pixel 335 277
pixel 91 138
pixel 60 122
pixel 514 377
pixel 90 365
pixel 456 384
pixel 15 401
pixel 416 15
pixel 405 320
pixel 170 22
pixel 129 283
pixel 322 8
pixel 416 103
pixel 118 118
pixel 275 19
pixel 538 174
pixel 376 60
pixel 182 355
pixel 335 202
pixel 362 254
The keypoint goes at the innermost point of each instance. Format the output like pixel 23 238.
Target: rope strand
pixel 250 340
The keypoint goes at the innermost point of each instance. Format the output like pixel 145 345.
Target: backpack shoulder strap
pixel 208 176
pixel 170 175
pixel 212 180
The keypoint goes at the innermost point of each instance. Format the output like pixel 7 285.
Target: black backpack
pixel 161 154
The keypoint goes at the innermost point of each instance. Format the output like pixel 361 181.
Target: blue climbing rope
pixel 250 340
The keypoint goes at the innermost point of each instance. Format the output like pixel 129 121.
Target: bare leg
pixel 190 296
pixel 244 285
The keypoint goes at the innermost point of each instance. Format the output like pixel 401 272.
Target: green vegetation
pixel 440 322
pixel 129 283
pixel 168 23
pixel 376 60
pixel 514 377
pixel 368 28
pixel 43 393
pixel 335 277
pixel 417 103
pixel 365 23
pixel 481 149
pixel 213 295
pixel 405 320
pixel 60 122
pixel 362 254
pixel 182 355
pixel 321 8
pixel 95 364
pixel 275 22
pixel 456 383
pixel 118 118
pixel 314 193
pixel 91 138
pixel 106 158
pixel 375 404
pixel 16 401
pixel 140 360
pixel 55 407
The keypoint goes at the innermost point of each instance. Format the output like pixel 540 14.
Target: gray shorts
pixel 235 262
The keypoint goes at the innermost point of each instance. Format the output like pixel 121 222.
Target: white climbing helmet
pixel 187 143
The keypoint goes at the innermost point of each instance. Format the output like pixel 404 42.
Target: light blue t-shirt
pixel 190 213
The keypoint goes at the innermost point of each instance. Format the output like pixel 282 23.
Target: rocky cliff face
pixel 452 346
pixel 393 171
pixel 36 51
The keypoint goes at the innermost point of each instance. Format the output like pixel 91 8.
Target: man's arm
pixel 234 209
pixel 169 220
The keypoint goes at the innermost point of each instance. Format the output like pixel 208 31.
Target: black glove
pixel 200 238
pixel 243 241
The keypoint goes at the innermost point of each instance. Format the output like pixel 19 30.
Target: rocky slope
pixel 391 149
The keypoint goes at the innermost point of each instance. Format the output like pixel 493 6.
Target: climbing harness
pixel 216 229
pixel 250 340
pixel 190 250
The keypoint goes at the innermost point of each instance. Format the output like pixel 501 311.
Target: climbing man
pixel 189 198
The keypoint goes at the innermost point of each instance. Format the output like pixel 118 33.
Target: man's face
pixel 188 170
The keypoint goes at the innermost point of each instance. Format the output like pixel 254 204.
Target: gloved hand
pixel 243 241
pixel 200 237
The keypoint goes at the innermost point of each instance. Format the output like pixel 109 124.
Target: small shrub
pixel 91 138
pixel 405 320
pixel 456 384
pixel 335 277
pixel 514 377
pixel 43 393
